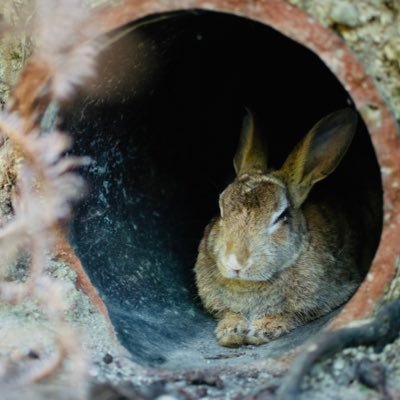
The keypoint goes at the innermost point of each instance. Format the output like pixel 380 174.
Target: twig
pixel 381 330
pixel 46 185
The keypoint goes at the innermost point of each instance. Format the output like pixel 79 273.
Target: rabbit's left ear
pixel 250 156
pixel 319 153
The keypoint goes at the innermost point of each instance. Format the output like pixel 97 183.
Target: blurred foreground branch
pixel 43 183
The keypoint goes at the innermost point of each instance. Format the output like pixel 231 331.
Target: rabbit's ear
pixel 250 155
pixel 319 153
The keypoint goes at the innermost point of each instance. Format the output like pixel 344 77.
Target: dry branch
pixel 379 331
pixel 46 186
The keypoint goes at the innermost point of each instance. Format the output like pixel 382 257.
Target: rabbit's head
pixel 262 229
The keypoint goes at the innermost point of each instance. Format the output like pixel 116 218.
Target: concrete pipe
pixel 161 122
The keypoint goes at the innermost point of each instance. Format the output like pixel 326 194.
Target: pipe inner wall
pixel 161 122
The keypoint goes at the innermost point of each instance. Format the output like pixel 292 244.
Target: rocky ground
pixel 27 334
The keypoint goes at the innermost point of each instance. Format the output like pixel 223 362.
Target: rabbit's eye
pixel 283 216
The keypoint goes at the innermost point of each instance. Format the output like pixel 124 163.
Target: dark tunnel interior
pixel 161 122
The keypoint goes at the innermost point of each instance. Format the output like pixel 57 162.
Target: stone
pixel 345 14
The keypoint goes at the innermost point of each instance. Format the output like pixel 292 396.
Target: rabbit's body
pixel 272 260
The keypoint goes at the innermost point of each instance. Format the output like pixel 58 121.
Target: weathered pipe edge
pixel 332 50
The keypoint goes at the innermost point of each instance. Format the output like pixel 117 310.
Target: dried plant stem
pixel 379 331
pixel 46 187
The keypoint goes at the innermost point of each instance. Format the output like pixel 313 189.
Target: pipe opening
pixel 162 122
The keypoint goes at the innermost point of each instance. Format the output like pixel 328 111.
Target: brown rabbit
pixel 275 259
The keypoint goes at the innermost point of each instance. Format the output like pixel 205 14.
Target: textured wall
pixel 14 47
pixel 371 28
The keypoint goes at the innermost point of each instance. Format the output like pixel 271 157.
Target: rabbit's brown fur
pixel 273 260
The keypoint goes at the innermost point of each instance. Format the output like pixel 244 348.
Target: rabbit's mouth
pixel 248 274
pixel 249 269
pixel 229 273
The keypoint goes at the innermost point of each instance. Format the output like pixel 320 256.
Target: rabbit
pixel 275 258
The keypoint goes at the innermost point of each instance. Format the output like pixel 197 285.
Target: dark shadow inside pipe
pixel 161 123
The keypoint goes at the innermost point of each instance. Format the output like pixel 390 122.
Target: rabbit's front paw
pixel 231 330
pixel 267 328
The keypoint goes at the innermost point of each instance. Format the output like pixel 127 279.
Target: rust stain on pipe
pixel 64 252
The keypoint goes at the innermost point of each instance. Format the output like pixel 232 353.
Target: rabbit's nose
pixel 233 264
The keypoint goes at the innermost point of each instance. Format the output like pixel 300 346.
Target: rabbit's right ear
pixel 250 156
pixel 319 153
